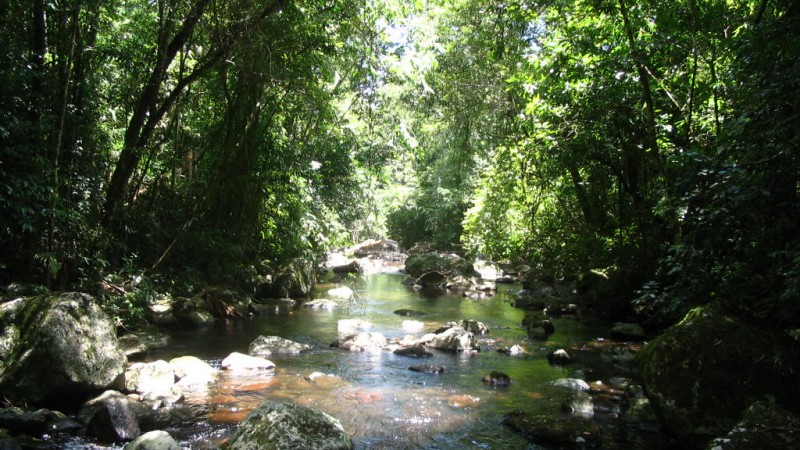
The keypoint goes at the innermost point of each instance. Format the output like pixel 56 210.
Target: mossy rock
pixel 565 432
pixel 445 263
pixel 702 373
pixel 764 425
pixel 282 425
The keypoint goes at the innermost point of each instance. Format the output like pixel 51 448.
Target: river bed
pixel 384 405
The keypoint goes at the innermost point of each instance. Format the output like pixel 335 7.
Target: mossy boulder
pixel 295 279
pixel 702 373
pixel 565 432
pixel 448 264
pixel 764 425
pixel 67 350
pixel 281 425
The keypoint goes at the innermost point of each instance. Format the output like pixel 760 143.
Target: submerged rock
pixel 555 431
pixel 704 372
pixel 427 368
pixel 321 303
pixel 559 357
pixel 573 384
pixel 415 351
pixel 409 313
pixel 67 349
pixel 268 345
pixel 496 379
pixel 282 425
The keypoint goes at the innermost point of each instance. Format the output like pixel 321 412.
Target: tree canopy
pixel 652 143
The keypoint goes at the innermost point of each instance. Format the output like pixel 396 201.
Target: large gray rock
pixel 67 350
pixel 154 440
pixel 445 263
pixel 281 425
pixel 269 345
pixel 147 377
pixel 364 342
pixel 115 421
pixel 455 339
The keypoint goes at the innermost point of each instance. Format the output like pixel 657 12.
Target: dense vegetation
pixel 652 144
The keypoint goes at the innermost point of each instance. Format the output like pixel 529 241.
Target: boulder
pixel 455 339
pixel 268 345
pixel 446 263
pixel 704 372
pixel 225 301
pixel 764 425
pixel 281 425
pixel 146 377
pixel 374 247
pixel 349 267
pixel 33 423
pixel 192 372
pixel 559 357
pixel 192 312
pixel 160 311
pixel 295 279
pixel 132 346
pixel 579 404
pixel 554 431
pixel 366 341
pixel 412 326
pixel 114 421
pixel 514 350
pixel 474 326
pixel 239 362
pixel 90 407
pixel 432 279
pixel 67 350
pixel 627 331
pixel 154 440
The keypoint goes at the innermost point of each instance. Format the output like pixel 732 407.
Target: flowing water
pixel 380 402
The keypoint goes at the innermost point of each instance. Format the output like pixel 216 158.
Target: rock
pixel 572 384
pixel 90 408
pixel 282 425
pixel 416 351
pixel 632 331
pixel 192 372
pixel 351 326
pixel 146 377
pixel 160 311
pixel 295 279
pixel 454 339
pixel 374 247
pixel 535 299
pixel 132 346
pixel 153 440
pixel 67 350
pixel 473 326
pixel 704 372
pixel 268 345
pixel 449 263
pixel 114 421
pixel 554 431
pixel 34 423
pixel 342 292
pixel 538 328
pixel 559 357
pixel 488 270
pixel 409 313
pixel 496 379
pixel 432 279
pixel 579 404
pixel 427 368
pixel 225 301
pixel 349 267
pixel 160 397
pixel 764 425
pixel 192 312
pixel 514 350
pixel 321 303
pixel 175 416
pixel 239 362
pixel 366 341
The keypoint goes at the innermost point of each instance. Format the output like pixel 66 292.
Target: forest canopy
pixel 650 144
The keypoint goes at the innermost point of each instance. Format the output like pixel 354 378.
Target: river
pixel 381 403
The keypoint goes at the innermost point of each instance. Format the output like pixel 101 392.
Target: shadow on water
pixel 380 402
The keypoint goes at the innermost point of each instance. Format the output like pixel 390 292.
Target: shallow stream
pixel 381 403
